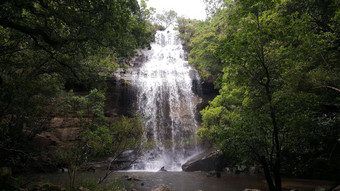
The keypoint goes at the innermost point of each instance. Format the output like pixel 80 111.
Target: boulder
pixel 323 188
pixel 336 188
pixel 55 188
pixel 214 174
pixel 83 189
pixel 241 169
pixel 162 169
pixel 161 187
pixel 212 160
pixel 255 169
pixel 46 187
pixel 5 172
pixel 132 178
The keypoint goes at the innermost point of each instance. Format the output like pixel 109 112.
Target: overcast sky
pixel 194 9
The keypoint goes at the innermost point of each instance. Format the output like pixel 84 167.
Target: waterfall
pixel 166 101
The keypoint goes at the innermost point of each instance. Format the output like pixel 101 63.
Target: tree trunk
pixel 277 165
pixel 277 175
pixel 267 174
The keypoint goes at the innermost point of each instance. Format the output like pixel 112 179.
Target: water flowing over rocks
pixel 166 99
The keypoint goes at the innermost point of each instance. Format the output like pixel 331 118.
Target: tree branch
pixel 329 87
pixel 29 31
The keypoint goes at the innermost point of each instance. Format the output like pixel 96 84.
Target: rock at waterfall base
pixel 5 172
pixel 132 178
pixel 214 174
pixel 161 187
pixel 323 188
pixel 83 189
pixel 212 160
pixel 162 169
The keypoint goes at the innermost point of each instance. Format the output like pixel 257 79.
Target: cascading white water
pixel 167 103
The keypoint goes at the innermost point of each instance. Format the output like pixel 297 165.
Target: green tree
pixel 211 6
pixel 205 46
pixel 167 18
pixel 147 13
pixel 269 101
pixel 98 136
pixel 187 28
pixel 49 46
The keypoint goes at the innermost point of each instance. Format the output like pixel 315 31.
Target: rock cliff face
pixel 122 99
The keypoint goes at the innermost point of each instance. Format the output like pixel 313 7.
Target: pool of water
pixel 195 181
pixel 186 181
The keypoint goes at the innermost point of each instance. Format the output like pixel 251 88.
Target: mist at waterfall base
pixel 167 102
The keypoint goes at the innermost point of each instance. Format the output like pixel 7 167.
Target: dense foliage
pixel 279 85
pixel 98 136
pixel 47 46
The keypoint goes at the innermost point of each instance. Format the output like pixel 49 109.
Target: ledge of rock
pixel 206 161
